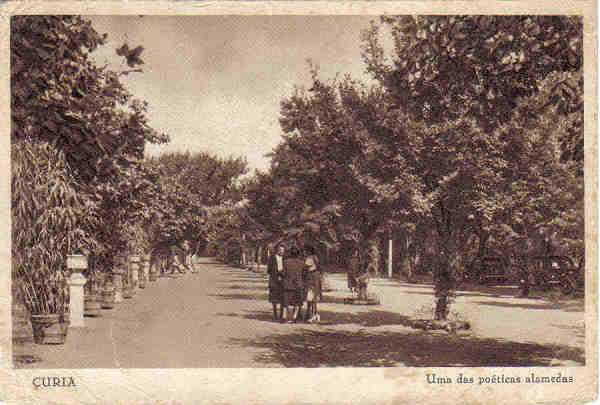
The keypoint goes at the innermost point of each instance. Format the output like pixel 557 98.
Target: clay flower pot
pixel 108 297
pixel 49 329
pixel 91 305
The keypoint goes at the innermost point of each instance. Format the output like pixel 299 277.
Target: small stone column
pixel 153 270
pixel 118 274
pixel 118 282
pixel 144 270
pixel 76 282
pixel 135 266
pixel 76 263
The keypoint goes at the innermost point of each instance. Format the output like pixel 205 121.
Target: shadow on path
pixel 247 280
pixel 310 348
pixel 263 316
pixel 517 305
pixel 458 294
pixel 365 319
pixel 251 297
pixel 244 287
pixel 329 299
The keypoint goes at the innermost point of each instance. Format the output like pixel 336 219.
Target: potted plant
pixel 103 283
pixel 108 293
pixel 47 212
pixel 123 265
pixel 47 302
pixel 154 267
pixel 92 301
pixel 144 270
pixel 134 269
pixel 138 243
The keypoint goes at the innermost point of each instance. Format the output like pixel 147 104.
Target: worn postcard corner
pixel 299 202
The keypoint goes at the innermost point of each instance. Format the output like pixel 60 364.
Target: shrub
pixel 46 213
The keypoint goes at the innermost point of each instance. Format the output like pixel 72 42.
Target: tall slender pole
pixel 390 257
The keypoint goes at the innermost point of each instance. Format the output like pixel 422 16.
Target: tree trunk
pixel 259 255
pixel 444 288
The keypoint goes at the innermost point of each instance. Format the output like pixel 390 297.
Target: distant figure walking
pixel 312 284
pixel 176 264
pixel 186 255
pixel 275 270
pixel 293 285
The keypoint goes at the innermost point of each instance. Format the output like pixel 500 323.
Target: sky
pixel 215 83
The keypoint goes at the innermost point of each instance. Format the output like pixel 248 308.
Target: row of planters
pixel 80 182
pixel 54 215
pixel 102 291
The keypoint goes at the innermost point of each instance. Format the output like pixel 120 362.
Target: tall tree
pixel 446 67
pixel 454 82
pixel 187 184
pixel 61 96
pixel 323 141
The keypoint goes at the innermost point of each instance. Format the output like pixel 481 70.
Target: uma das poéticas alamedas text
pixel 532 378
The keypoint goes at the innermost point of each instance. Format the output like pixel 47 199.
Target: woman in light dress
pixel 312 284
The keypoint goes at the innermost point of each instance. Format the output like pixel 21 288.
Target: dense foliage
pixel 469 143
pixel 47 213
pixel 80 183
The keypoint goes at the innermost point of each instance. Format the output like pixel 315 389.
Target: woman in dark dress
pixel 293 286
pixel 276 273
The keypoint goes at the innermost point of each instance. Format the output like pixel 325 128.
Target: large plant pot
pixel 127 292
pixel 108 298
pixel 134 272
pixel 91 305
pixel 49 329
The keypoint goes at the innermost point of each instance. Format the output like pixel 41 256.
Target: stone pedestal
pixel 134 268
pixel 144 271
pixel 76 307
pixel 153 272
pixel 118 283
pixel 142 277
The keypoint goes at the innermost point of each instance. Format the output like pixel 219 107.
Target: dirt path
pixel 220 317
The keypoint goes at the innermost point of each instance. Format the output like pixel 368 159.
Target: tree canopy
pixel 61 96
pixel 472 134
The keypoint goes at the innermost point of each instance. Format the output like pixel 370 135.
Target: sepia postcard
pixel 299 202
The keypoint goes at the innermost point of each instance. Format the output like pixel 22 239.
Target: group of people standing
pixel 173 260
pixel 294 278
